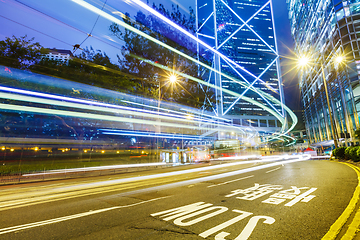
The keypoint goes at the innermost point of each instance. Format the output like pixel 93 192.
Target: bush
pixel 347 152
pixel 358 155
pixel 339 152
pixel 353 154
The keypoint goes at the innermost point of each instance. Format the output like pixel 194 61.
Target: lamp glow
pixel 303 61
pixel 173 79
pixel 339 59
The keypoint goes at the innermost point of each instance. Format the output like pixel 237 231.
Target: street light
pixel 304 61
pixel 172 78
pixel 339 59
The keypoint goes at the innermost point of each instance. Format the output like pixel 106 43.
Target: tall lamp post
pixel 304 61
pixel 172 79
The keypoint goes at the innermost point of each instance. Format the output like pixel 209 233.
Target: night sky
pixel 61 24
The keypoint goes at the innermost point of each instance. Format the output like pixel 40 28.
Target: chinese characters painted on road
pixel 295 194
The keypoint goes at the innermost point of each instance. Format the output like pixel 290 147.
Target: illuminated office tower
pixel 247 62
pixel 323 31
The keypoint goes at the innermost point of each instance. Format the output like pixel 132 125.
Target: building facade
pixel 247 63
pixel 59 55
pixel 324 30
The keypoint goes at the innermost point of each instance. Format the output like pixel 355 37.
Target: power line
pixel 35 30
pixel 36 10
pixel 77 46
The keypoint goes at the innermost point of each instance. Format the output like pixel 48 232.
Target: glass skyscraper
pixel 247 63
pixel 324 30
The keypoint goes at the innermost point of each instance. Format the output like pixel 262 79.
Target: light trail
pixel 88 105
pixel 72 170
pixel 222 175
pixel 84 214
pixel 104 117
pixel 208 168
pixel 248 99
pixel 153 11
pixel 55 100
pixel 154 135
pixel 168 21
pixel 72 103
pixel 239 157
pixel 36 196
pixel 133 29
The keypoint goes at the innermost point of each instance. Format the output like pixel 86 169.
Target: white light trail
pixel 123 24
pixel 105 106
pixel 208 168
pixel 248 88
pixel 168 21
pixel 72 170
pixel 88 105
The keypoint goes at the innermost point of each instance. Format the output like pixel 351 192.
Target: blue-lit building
pixel 324 30
pixel 247 63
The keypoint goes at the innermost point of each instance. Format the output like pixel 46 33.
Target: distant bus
pixel 226 148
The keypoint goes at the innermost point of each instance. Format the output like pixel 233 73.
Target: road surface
pixel 282 200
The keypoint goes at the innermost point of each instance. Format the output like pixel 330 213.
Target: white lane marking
pixel 273 170
pixel 190 211
pixel 61 219
pixel 230 181
pixel 249 228
pixel 224 225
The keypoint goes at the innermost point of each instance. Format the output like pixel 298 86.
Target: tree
pixel 20 52
pixel 90 67
pixel 136 48
pixel 357 133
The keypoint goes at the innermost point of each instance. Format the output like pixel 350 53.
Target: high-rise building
pixel 324 31
pixel 247 61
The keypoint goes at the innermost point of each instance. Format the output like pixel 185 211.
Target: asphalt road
pixel 299 200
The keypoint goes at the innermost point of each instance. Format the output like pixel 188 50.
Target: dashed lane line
pixel 235 180
pixel 273 170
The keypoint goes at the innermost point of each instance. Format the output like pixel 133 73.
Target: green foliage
pixel 20 52
pixel 357 133
pixel 353 153
pixel 358 155
pixel 136 48
pixel 90 67
pixel 339 152
pixel 347 152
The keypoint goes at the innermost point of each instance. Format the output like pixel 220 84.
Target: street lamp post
pixel 172 80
